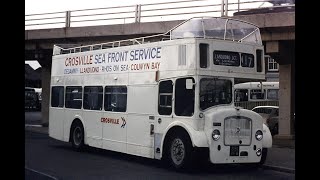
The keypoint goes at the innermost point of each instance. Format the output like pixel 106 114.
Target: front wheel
pixel 262 160
pixel 179 151
pixel 77 136
pixel 263 156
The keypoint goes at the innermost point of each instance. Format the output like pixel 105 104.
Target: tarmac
pixel 280 157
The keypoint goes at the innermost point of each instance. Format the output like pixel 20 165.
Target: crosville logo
pixel 123 122
pixel 114 121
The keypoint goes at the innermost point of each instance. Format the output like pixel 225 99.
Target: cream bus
pixel 252 94
pixel 168 96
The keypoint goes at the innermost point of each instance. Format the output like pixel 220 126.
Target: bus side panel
pixel 69 116
pixel 56 114
pixel 56 121
pixel 114 131
pixel 72 114
pixel 92 118
pixel 141 119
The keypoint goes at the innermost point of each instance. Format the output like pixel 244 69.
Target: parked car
pixel 270 115
pixel 31 99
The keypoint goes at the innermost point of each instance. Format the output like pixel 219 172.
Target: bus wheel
pixel 263 156
pixel 179 151
pixel 262 160
pixel 77 136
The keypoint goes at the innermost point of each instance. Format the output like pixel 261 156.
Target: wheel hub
pixel 177 151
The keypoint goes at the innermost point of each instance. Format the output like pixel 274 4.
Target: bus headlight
pixel 259 135
pixel 215 134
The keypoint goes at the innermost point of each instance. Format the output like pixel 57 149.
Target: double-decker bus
pixel 251 94
pixel 168 96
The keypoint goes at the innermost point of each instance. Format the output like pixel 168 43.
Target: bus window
pixel 184 98
pixel 92 98
pixel 273 94
pixel 259 60
pixel 257 94
pixel 165 97
pixel 115 98
pixel 204 54
pixel 74 97
pixel 57 94
pixel 241 95
pixel 214 92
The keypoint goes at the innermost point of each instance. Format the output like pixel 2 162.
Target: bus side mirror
pixel 189 84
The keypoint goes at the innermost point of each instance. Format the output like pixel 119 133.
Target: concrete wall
pixel 285 100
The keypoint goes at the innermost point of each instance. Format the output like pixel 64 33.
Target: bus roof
pixel 222 28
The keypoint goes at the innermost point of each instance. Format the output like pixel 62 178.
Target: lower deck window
pixel 115 98
pixel 184 98
pixel 74 97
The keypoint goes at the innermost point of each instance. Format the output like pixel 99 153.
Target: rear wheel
pixel 77 136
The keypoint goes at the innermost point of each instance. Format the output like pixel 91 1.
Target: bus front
pixel 227 49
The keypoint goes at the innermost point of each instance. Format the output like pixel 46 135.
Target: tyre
pixel 77 136
pixel 179 151
pixel 263 156
pixel 261 162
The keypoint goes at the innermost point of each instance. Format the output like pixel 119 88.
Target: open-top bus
pixel 168 96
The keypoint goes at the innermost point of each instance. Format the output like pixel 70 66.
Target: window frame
pixel 165 94
pixel 66 96
pixel 105 107
pixel 272 62
pixel 63 98
pixel 100 94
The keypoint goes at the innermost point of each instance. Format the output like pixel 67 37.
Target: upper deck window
pixel 204 55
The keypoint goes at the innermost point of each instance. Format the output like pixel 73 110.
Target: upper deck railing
pixel 164 11
pixel 199 27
